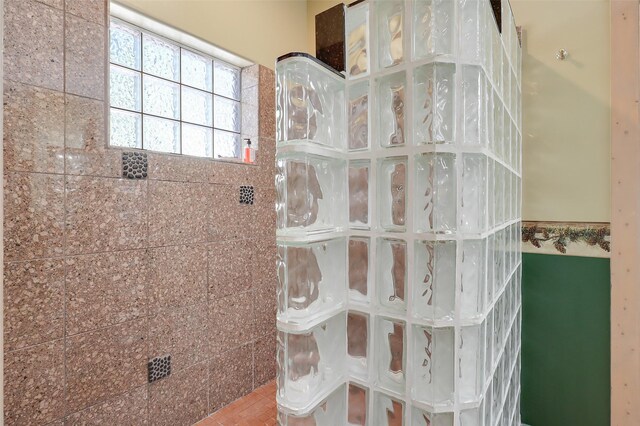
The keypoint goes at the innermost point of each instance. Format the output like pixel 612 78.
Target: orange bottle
pixel 248 156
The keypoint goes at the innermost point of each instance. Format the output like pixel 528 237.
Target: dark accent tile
pixel 134 165
pixel 33 302
pixel 181 399
pixel 330 37
pixel 230 376
pixel 34 384
pixel 246 194
pixel 159 368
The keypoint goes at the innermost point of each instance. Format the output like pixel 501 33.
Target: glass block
pixel 392 274
pixel 226 80
pixel 391 94
pixel 491 198
pixel 473 199
pixel 226 114
pixel 161 135
pixel 498 126
pixel 424 418
pixel 433 103
pixel 161 97
pixel 124 45
pixel 310 104
pixel 473 417
pixel 499 194
pixel 311 279
pixel 357 33
pixel 433 295
pixel 358 344
pixel 196 70
pixel 489 349
pixel 160 58
pixel 496 51
pixel 311 363
pixel 125 129
pixel 392 199
pixel 387 410
pixel 124 88
pixel 391 32
pixel 473 279
pixel 311 194
pixel 476 115
pixel 197 107
pixel 330 411
pixel 435 198
pixel 433 365
pixel 433 28
pixel 226 144
pixel 359 116
pixel 359 175
pixel 391 347
pixel 471 17
pixel 358 405
pixel 197 141
pixel 359 269
pixel 471 362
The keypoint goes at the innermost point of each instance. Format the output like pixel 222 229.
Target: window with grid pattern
pixel 167 98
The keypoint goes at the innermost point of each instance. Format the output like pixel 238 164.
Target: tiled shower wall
pixel 103 273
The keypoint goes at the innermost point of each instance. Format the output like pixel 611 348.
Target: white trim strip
pixel 136 18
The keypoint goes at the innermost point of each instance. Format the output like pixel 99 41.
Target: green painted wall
pixel 565 341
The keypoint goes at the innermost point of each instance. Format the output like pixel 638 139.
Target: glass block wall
pixel 398 205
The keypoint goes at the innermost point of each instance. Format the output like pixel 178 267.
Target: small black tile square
pixel 246 194
pixel 134 165
pixel 159 368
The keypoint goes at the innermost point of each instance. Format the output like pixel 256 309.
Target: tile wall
pixel 104 273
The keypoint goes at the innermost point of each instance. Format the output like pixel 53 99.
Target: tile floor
pixel 256 409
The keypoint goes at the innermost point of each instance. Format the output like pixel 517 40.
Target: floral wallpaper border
pixel 567 238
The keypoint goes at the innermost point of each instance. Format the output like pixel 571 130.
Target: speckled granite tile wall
pixel 102 272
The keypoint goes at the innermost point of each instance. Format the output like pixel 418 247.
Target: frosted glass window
pixel 126 129
pixel 226 114
pixel 226 144
pixel 161 97
pixel 124 46
pixel 197 140
pixel 226 80
pixel 167 98
pixel 125 88
pixel 161 135
pixel 160 58
pixel 196 70
pixel 197 106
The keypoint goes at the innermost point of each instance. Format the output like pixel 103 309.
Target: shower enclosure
pixel 398 208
